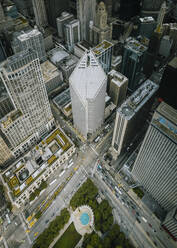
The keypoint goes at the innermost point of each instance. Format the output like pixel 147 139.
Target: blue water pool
pixel 84 219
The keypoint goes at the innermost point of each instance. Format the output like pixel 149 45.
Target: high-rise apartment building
pixel 100 30
pixel 23 78
pixel 103 53
pixel 131 116
pixel 132 62
pixel 72 33
pixel 170 223
pixel 88 89
pixel 117 87
pixel 86 10
pixel 30 39
pixel 154 43
pixel 5 154
pixel 61 21
pixel 40 13
pixel 155 165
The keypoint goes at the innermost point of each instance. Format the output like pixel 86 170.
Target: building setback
pixel 170 223
pixel 155 165
pixel 88 88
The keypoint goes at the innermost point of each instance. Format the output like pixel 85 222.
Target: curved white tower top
pixel 88 88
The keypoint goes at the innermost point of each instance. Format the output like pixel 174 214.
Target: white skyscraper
pixel 40 13
pixel 86 10
pixel 23 78
pixel 88 88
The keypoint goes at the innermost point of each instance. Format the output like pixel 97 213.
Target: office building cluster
pixel 90 63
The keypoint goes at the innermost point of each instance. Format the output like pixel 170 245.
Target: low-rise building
pixel 63 102
pixel 25 176
pixel 53 77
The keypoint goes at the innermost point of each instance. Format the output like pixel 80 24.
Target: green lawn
pixel 69 239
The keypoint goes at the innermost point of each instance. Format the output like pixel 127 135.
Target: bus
pixel 70 164
pixel 97 139
pixel 62 173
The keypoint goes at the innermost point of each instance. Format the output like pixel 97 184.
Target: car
pixel 138 220
pixel 148 234
pixel 155 243
pixel 137 213
pixel 150 225
pixel 46 221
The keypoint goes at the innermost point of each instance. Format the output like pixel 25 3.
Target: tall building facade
pixel 170 223
pixel 168 84
pixel 88 89
pixel 103 53
pixel 24 82
pixel 154 43
pixel 2 17
pixel 6 105
pixel 40 13
pixel 132 62
pixel 117 87
pixel 131 116
pixel 54 9
pixel 155 165
pixel 86 10
pixel 72 34
pixel 5 154
pixel 25 7
pixel 100 30
pixel 151 7
pixel 30 39
pixel 61 21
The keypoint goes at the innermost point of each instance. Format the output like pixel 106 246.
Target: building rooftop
pixel 147 19
pixel 57 54
pixel 67 62
pixel 28 34
pixel 64 15
pixel 87 77
pixel 62 99
pixel 173 62
pixel 135 45
pixel 165 118
pixel 137 99
pixel 49 71
pixel 117 77
pixel 24 172
pixel 103 46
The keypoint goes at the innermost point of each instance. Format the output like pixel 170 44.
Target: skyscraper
pixel 117 84
pixel 88 89
pixel 100 30
pixel 23 78
pixel 155 165
pixel 154 43
pixel 40 13
pixel 72 33
pixel 85 13
pixel 30 39
pixel 61 21
pixel 129 8
pixel 151 7
pixel 131 116
pixel 168 84
pixel 132 62
pixel 103 53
